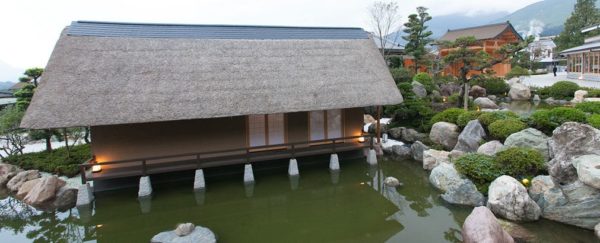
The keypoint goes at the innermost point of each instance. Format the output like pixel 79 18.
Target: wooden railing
pixel 246 152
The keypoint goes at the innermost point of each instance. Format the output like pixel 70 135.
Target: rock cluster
pixel 457 190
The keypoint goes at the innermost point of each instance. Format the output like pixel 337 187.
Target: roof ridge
pixel 210 25
pixel 479 26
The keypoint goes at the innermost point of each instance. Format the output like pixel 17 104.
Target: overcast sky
pixel 30 28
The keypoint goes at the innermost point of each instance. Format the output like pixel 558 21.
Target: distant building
pixel 489 39
pixel 541 50
pixel 583 62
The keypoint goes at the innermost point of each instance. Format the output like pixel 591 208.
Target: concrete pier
pixel 248 174
pixel 372 157
pixel 293 168
pixel 145 189
pixel 85 196
pixel 199 183
pixel 334 162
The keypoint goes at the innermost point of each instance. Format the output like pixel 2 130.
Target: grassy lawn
pixel 56 162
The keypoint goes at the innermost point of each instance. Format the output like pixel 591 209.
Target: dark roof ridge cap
pixel 211 25
pixel 480 26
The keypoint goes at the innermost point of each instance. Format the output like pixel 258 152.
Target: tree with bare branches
pixel 386 22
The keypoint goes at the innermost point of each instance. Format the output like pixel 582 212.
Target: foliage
pixel 466 117
pixel 592 92
pixel 426 81
pixel 35 74
pixel 449 115
pixel 589 107
pixel 24 96
pixel 395 62
pixel 519 162
pixel 413 112
pixel 594 120
pixel 24 79
pixel 488 118
pixel 58 161
pixel 521 59
pixel 401 75
pixel 548 120
pixel 11 141
pixel 584 14
pixel 417 36
pixel 501 129
pixel 492 85
pixel 517 71
pixel 481 169
pixel 454 98
pixel 560 90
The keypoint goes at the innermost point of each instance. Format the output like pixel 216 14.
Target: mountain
pixel 9 73
pixel 545 17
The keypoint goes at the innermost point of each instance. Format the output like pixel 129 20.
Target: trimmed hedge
pixel 466 117
pixel 501 129
pixel 56 161
pixel 488 118
pixel 449 115
pixel 426 81
pixel 589 107
pixel 520 162
pixel 560 90
pixel 492 85
pixel 548 120
pixel 594 120
pixel 481 169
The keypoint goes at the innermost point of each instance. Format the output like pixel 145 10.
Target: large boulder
pixel 17 181
pixel 579 96
pixel 44 191
pixel 509 199
pixel 445 134
pixel 477 91
pixel 433 158
pixel 199 235
pixel 588 169
pixel 519 91
pixel 575 203
pixel 485 103
pixel 470 137
pixel 410 135
pixel 568 142
pixel 26 187
pixel 417 150
pixel 449 89
pixel 481 226
pixel 66 198
pixel 419 89
pixel 490 148
pixel 530 138
pixel 539 185
pixel 456 189
pixel 7 171
pixel 401 151
pixel 396 132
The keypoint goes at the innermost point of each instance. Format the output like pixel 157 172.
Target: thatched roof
pixel 149 73
pixel 484 32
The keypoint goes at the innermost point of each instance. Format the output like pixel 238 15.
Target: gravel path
pixel 549 79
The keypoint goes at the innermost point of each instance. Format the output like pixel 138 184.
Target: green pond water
pixel 352 206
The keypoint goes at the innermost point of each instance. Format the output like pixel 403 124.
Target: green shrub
pixel 466 117
pixel 426 81
pixel 517 71
pixel 561 90
pixel 401 75
pixel 488 118
pixel 520 162
pixel 449 115
pixel 548 120
pixel 454 98
pixel 589 107
pixel 501 129
pixel 481 169
pixel 594 120
pixel 492 85
pixel 56 161
pixel 595 93
pixel 413 112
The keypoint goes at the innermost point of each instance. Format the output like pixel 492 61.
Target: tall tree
pixel 585 14
pixel 470 59
pixel 34 74
pixel 385 20
pixel 417 36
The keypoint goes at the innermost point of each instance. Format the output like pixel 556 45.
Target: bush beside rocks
pixel 520 161
pixel 548 120
pixel 481 169
pixel 501 129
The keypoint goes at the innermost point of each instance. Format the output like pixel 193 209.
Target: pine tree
pixel 417 35
pixel 584 15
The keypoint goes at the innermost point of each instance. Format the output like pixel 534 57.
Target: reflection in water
pixel 249 189
pixel 294 182
pixel 200 196
pixel 335 176
pixel 145 204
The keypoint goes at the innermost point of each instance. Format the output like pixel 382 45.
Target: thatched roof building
pixel 121 73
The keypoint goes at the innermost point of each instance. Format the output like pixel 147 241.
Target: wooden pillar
pixel 378 130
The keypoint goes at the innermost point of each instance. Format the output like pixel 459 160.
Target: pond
pixel 352 206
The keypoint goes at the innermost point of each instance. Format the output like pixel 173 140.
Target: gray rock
pixel 481 226
pixel 410 135
pixel 198 235
pixel 417 150
pixel 445 134
pixel 419 89
pixel 529 138
pixel 455 154
pixel 490 148
pixel 7 172
pixel 536 98
pixel 65 199
pixel 433 158
pixel 517 232
pixel 392 182
pixel 575 204
pixel 550 101
pixel 569 141
pixel 401 151
pixel 456 190
pixel 588 169
pixel 492 97
pixel 539 185
pixel 184 229
pixel 44 191
pixel 579 96
pixel 509 199
pixel 22 177
pixel 449 89
pixel 477 91
pixel 396 132
pixel 519 91
pixel 485 103
pixel 597 230
pixel 470 137
pixel 513 81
